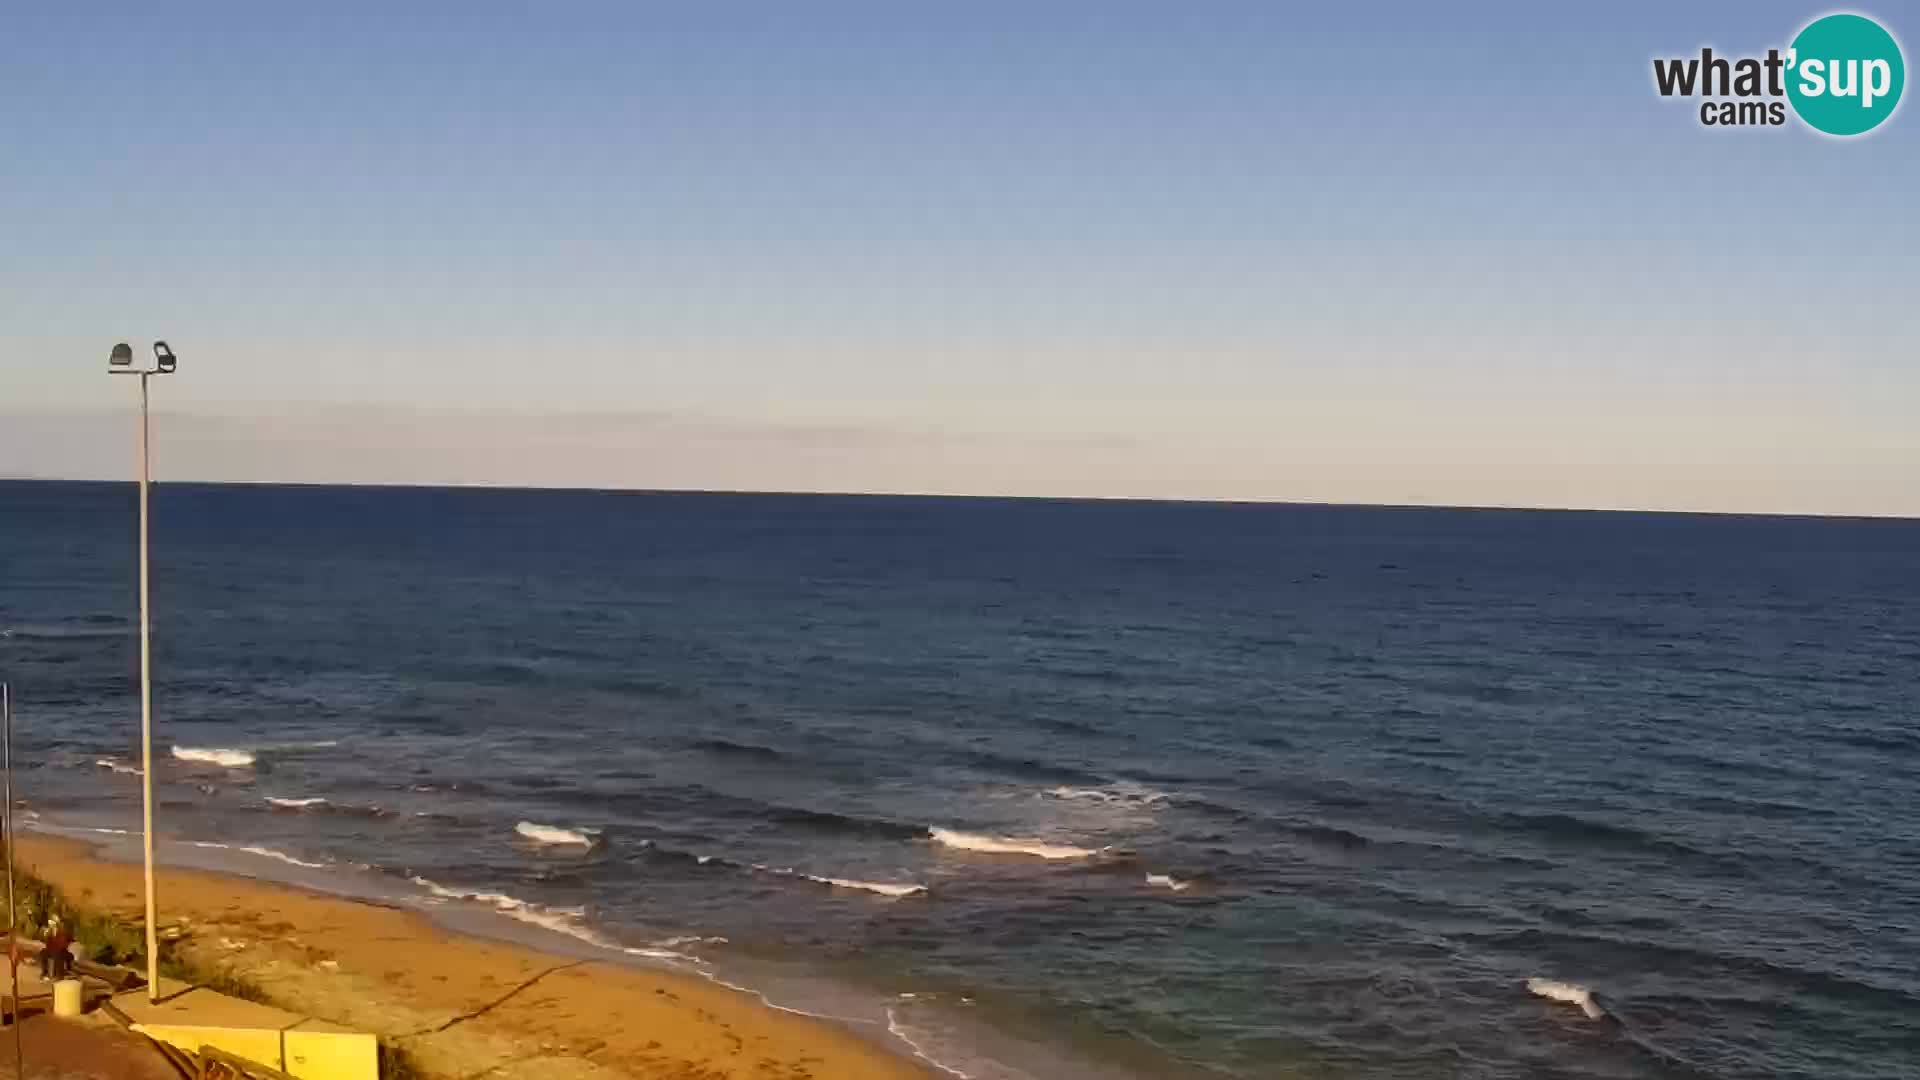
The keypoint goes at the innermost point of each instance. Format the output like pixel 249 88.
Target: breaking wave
pixel 1571 993
pixel 560 920
pixel 555 835
pixel 569 922
pixel 319 805
pixel 1002 845
pixel 221 756
pixel 262 852
pixel 915 1041
pixel 1121 796
pixel 883 888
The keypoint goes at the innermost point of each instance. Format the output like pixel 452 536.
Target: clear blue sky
pixel 1395 252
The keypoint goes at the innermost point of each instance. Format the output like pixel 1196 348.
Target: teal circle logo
pixel 1845 74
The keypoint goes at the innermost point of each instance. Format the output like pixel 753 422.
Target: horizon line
pixel 977 496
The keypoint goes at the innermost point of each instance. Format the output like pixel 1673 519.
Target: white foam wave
pixel 559 920
pixel 296 804
pixel 662 950
pixel 899 1031
pixel 1130 796
pixel 553 834
pixel 1001 845
pixel 221 756
pixel 1168 881
pixel 1571 993
pixel 497 900
pixel 884 888
pixel 262 852
pixel 500 900
pixel 269 853
pixel 651 953
pixel 689 939
pixel 118 766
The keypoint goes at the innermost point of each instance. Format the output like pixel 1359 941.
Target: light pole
pixel 121 363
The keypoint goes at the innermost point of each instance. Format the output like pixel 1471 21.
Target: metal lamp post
pixel 121 363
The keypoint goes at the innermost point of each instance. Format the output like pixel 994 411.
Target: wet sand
pixel 464 1006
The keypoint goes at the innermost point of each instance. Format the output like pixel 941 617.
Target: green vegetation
pixel 109 940
pixel 106 939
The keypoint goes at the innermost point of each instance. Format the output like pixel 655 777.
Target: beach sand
pixel 464 1006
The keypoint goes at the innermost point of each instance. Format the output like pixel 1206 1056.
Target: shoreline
pixel 460 1003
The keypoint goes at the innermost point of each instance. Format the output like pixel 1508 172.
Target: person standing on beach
pixel 56 955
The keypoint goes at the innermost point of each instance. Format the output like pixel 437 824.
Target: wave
pixel 314 744
pixel 319 804
pixel 269 853
pixel 1875 740
pixel 1331 836
pixel 1598 834
pixel 565 921
pixel 559 920
pixel 118 766
pixel 221 756
pixel 460 787
pixel 652 850
pixel 442 892
pixel 1705 959
pixel 882 887
pixel 553 834
pixel 1218 810
pixel 901 1032
pixel 1168 881
pixel 729 748
pixel 64 633
pixel 1571 993
pixel 1001 845
pixel 1132 797
pixel 1030 768
pixel 689 939
pixel 828 821
pixel 262 852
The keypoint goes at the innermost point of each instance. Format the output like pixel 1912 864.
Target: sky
pixel 1388 253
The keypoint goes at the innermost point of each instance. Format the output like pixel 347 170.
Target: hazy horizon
pixel 1462 257
pixel 208 460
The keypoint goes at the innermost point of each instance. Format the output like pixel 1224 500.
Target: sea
pixel 1044 790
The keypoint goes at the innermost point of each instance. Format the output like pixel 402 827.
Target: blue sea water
pixel 1322 787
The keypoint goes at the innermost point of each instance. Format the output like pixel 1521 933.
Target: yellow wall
pixel 309 1055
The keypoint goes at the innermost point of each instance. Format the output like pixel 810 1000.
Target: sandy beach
pixel 463 1006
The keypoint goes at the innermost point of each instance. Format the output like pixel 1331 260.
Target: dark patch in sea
pixel 729 748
